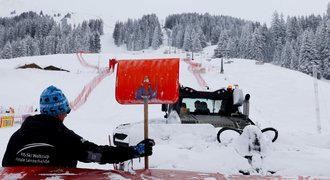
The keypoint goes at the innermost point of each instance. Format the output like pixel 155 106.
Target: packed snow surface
pixel 280 98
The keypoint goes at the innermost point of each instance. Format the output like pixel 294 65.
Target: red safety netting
pixel 82 97
pixel 193 68
pixel 83 62
pixel 88 88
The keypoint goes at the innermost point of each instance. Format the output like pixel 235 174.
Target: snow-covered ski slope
pixel 281 98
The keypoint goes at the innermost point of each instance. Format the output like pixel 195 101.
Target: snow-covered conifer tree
pixel 258 44
pixel 286 56
pixel 307 52
pixel 156 38
pixel 196 46
pixel 292 29
pixel 19 48
pixel 188 41
pixel 215 34
pixel 7 51
pixel 146 42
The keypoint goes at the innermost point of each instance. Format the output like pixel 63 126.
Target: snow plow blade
pixel 156 78
pixel 82 174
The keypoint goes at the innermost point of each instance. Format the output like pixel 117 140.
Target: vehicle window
pixel 193 105
pixel 217 106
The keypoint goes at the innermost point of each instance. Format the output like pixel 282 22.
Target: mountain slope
pixel 280 98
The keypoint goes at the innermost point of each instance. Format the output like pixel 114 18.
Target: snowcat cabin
pixel 200 102
pixel 206 107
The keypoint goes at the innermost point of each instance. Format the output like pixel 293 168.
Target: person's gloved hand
pixel 144 148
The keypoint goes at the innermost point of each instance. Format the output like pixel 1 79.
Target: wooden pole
pixel 146 159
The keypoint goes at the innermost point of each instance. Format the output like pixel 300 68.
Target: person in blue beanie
pixel 43 140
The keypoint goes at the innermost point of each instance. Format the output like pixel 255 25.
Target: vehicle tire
pixel 226 129
pixel 271 129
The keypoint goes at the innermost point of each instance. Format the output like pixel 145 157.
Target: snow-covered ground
pixel 280 98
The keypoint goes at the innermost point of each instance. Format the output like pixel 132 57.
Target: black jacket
pixel 43 140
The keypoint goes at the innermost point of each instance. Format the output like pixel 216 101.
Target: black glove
pixel 144 148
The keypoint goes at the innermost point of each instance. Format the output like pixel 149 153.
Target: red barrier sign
pixel 157 79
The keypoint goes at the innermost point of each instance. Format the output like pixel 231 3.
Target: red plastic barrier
pixel 112 63
pixel 87 174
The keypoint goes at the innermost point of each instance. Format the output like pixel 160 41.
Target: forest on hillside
pixel 298 43
pixel 32 34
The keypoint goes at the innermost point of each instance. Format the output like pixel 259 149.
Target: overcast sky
pixel 255 10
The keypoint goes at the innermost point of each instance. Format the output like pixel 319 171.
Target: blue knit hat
pixel 53 102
